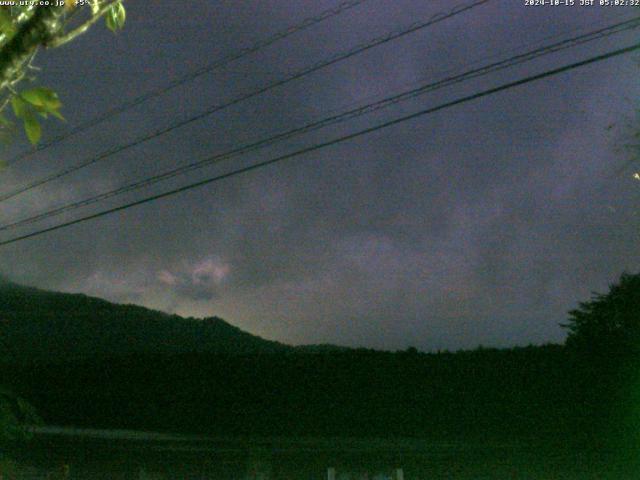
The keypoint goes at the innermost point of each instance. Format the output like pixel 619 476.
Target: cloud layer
pixel 481 224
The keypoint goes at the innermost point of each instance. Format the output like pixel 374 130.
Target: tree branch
pixel 40 29
pixel 20 19
pixel 61 40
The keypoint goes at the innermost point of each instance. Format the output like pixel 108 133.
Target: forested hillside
pixel 38 325
pixel 85 362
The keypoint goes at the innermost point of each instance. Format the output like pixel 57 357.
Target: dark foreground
pixel 541 412
pixel 100 454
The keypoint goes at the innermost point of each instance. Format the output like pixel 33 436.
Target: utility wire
pixel 302 73
pixel 217 64
pixel 341 117
pixel 331 142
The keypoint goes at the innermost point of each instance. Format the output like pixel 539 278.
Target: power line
pixel 295 76
pixel 217 64
pixel 341 117
pixel 331 142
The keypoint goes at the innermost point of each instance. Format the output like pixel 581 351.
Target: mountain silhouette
pixel 40 325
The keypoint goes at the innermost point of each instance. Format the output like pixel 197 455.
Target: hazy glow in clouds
pixel 199 281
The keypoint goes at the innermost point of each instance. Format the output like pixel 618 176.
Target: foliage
pixel 604 341
pixel 41 326
pixel 123 366
pixel 15 415
pixel 115 17
pixel 24 29
pixel 32 104
pixel 7 468
pixel 608 324
pixel 503 394
pixel 129 367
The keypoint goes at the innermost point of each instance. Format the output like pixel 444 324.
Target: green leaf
pixel 44 100
pixel 115 17
pixel 32 128
pixel 20 107
pixel 42 97
pixel 44 113
pixel 58 115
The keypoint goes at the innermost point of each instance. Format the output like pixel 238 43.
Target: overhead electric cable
pixel 328 143
pixel 302 73
pixel 215 65
pixel 368 108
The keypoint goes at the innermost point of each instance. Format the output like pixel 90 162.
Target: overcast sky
pixel 480 224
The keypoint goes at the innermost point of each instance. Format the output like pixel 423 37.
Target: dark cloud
pixel 483 223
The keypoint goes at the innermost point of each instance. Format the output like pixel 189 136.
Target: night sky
pixel 480 224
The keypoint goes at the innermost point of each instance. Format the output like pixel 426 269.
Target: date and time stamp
pixel 527 3
pixel 42 3
pixel 582 3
